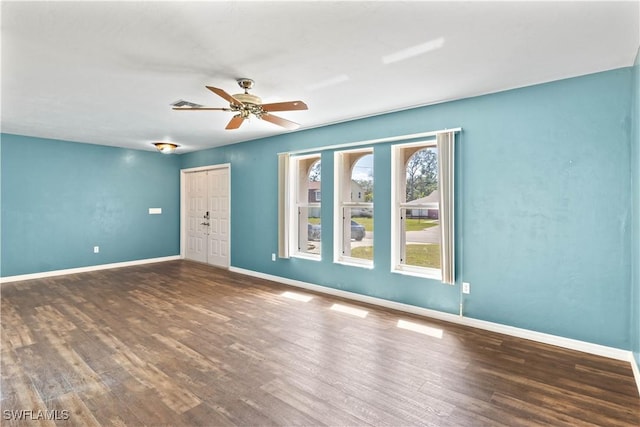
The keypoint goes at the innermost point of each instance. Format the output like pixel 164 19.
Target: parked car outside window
pixel 357 231
pixel 313 232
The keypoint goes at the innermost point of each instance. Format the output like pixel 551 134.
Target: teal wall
pixel 635 201
pixel 544 207
pixel 60 199
pixel 545 214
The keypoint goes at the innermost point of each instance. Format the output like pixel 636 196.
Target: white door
pixel 207 216
pixel 218 245
pixel 196 205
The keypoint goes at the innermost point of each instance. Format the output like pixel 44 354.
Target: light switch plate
pixel 155 211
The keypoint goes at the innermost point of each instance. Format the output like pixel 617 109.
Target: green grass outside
pixel 418 255
pixel 363 252
pixel 367 222
pixel 423 255
pixel 416 224
pixel 412 224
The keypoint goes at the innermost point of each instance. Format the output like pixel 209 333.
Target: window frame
pixel 399 161
pixel 446 141
pixel 343 171
pixel 300 200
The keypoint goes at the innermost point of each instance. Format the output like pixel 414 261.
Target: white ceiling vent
pixel 183 103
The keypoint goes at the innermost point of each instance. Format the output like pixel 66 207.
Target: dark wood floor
pixel 180 343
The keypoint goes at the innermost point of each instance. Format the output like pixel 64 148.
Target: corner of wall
pixel 635 215
pixel 635 367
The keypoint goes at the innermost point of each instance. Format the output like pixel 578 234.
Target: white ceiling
pixel 106 73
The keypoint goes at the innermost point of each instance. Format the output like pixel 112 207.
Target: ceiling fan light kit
pixel 165 147
pixel 246 104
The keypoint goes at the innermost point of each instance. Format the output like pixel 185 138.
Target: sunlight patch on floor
pixel 296 296
pixel 421 329
pixel 349 310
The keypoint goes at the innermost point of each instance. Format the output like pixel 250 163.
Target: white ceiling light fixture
pixel 412 51
pixel 165 147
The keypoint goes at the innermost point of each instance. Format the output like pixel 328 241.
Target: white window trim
pixel 355 262
pixel 306 255
pixel 425 272
pixel 284 205
pixel 370 142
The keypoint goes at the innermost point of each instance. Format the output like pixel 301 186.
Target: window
pixel 353 219
pixel 308 232
pixel 422 205
pixel 422 215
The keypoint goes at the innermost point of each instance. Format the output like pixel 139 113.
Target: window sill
pixel 418 272
pixel 355 262
pixel 308 257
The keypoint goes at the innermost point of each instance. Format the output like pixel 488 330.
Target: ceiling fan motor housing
pixel 247 98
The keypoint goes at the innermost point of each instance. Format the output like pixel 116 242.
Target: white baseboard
pixel 45 274
pixel 636 371
pixel 586 347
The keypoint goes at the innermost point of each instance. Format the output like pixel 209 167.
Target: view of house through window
pixel 418 207
pixel 355 207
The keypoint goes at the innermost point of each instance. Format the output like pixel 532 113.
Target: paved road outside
pixel 428 235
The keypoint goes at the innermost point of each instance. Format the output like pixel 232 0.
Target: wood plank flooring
pixel 181 344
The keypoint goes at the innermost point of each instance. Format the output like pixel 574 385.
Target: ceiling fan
pixel 245 104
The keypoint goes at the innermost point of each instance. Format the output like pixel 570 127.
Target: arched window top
pixel 315 171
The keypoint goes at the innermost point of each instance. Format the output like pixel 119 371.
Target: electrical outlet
pixel 466 288
pixel 96 249
pixel 273 257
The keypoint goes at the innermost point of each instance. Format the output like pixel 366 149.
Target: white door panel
pixel 218 201
pixel 196 203
pixel 207 228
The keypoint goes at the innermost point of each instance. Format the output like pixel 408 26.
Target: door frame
pixel 183 204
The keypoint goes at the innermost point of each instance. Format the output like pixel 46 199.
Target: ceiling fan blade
pixel 285 106
pixel 235 122
pixel 201 108
pixel 280 121
pixel 224 95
